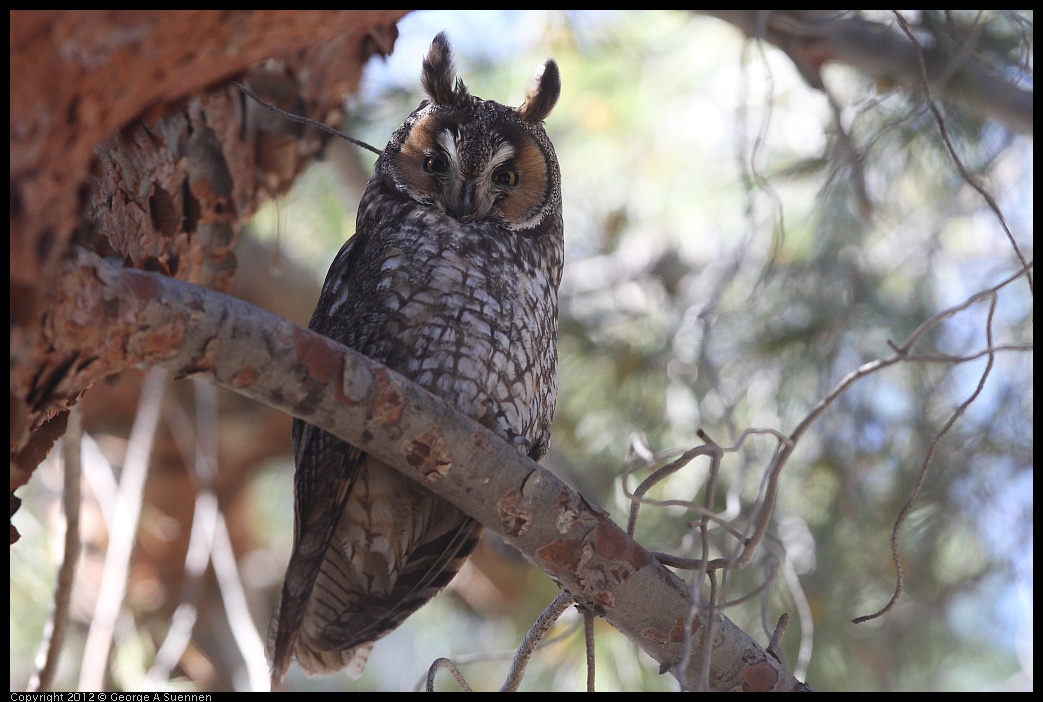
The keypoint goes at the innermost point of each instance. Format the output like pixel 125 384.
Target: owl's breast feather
pixel 480 337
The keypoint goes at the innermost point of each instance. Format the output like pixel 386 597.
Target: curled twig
pixel 925 466
pixel 637 496
pixel 967 177
pixel 669 559
pixel 451 667
pixel 538 630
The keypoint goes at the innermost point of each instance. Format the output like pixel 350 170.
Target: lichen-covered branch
pixel 190 330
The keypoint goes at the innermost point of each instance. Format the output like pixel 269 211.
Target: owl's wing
pixel 425 572
pixel 327 470
pixel 327 474
pixel 342 279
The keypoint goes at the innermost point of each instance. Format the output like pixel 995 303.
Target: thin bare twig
pixel 536 632
pixel 669 559
pixel 863 371
pixel 440 663
pixel 123 533
pixel 588 639
pixel 708 613
pixel 804 616
pixel 925 467
pixel 702 573
pixel 198 452
pixel 949 359
pixel 241 622
pixel 967 177
pixel 706 511
pixel 659 475
pixel 772 567
pixel 58 623
pixel 305 120
pixel 776 637
pixel 934 319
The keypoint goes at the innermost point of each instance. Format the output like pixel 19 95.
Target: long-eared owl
pixel 451 279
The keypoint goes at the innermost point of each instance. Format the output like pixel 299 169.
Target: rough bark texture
pixel 128 137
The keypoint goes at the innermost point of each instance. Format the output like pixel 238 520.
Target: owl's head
pixel 476 159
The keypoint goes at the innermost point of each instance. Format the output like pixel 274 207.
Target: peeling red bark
pixel 612 543
pixel 430 454
pixel 387 409
pixel 128 138
pixel 320 361
pixel 761 677
pixel 515 518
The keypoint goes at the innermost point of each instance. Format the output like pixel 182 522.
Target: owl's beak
pixel 465 206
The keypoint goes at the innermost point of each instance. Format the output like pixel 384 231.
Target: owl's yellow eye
pixel 435 164
pixel 508 177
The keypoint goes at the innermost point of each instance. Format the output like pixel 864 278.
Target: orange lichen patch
pixel 612 543
pixel 677 633
pixel 515 518
pixel 246 377
pixel 430 454
pixel 567 554
pixel 387 409
pixel 762 677
pixel 318 359
pixel 653 634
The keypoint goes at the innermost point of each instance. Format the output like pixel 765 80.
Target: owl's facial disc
pixel 474 174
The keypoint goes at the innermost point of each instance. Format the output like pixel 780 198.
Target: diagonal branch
pixel 190 330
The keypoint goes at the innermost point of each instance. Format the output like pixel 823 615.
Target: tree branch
pixel 190 330
pixel 813 38
pixel 127 137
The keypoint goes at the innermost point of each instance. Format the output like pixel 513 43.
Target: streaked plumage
pixel 451 279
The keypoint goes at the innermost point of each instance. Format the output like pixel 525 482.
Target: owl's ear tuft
pixel 542 93
pixel 439 73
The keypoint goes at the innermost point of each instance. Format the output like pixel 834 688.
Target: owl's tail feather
pixel 336 604
pixel 326 475
pixel 324 646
